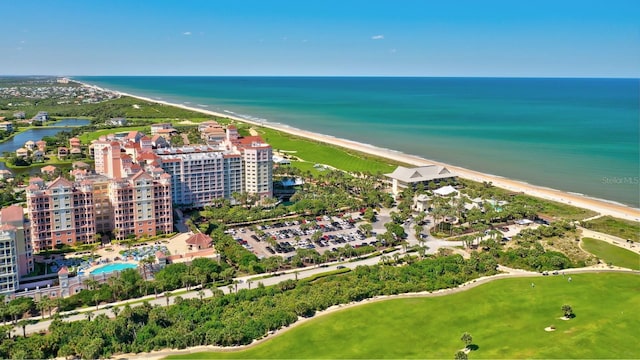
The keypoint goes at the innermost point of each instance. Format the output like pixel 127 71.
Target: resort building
pixel 64 212
pixel 60 213
pixel 403 177
pixel 16 255
pixel 258 165
pixel 141 205
pixel 201 174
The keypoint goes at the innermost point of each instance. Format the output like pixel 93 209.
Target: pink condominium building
pixel 60 212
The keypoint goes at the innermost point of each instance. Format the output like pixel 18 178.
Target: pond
pixel 37 134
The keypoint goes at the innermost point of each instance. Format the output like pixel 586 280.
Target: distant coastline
pixel 605 207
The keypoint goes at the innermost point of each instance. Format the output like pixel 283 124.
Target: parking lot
pixel 285 237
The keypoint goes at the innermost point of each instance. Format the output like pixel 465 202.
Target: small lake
pixel 38 133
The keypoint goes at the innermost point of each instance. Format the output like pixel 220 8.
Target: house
pixel 19 115
pixel 48 170
pixel 119 121
pixel 199 241
pixel 213 134
pixel 5 174
pixel 6 126
pixel 30 145
pixel 277 160
pixel 41 116
pixel 42 145
pixel 74 142
pixel 403 177
pixel 75 151
pixel 80 165
pixel 156 127
pixel 421 202
pixel 63 152
pixel 208 124
pixel 167 133
pixel 22 153
pixel 133 136
pixel 38 156
pixel 158 141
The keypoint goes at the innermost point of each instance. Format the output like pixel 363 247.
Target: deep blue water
pixel 578 135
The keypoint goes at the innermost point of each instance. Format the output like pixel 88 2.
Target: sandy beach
pixel 601 206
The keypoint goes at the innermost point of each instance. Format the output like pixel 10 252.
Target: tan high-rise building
pixel 16 255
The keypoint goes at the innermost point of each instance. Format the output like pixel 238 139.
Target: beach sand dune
pixel 601 206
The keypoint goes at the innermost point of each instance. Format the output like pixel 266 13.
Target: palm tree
pixel 167 295
pixel 148 261
pixel 201 294
pixel 96 299
pixel 90 283
pixel 568 311
pixel 115 310
pixel 41 305
pixel 467 339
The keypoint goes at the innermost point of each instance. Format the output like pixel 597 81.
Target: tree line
pixel 239 318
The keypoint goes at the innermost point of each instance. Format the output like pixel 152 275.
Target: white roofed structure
pixel 402 177
pixel 445 191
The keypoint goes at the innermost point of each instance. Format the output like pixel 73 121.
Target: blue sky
pixel 559 38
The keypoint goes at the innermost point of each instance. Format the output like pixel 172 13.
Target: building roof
pixel 11 213
pixel 142 175
pixel 201 240
pixel 420 174
pixel 48 168
pixel 60 181
pixel 7 227
pixel 445 190
pixel 63 271
pixel 80 164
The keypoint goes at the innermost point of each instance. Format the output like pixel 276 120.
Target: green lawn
pixel 319 153
pixel 612 254
pixel 621 228
pixel 87 137
pixel 506 318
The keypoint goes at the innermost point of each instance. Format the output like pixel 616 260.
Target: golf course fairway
pixel 507 318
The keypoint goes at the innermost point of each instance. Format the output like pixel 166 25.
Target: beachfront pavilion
pixel 403 177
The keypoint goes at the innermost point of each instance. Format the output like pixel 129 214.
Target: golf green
pixel 507 319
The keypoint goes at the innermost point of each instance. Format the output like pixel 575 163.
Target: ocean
pixel 576 135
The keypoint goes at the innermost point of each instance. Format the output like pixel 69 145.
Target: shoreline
pixel 601 206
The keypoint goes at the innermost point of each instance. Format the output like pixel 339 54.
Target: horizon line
pixel 342 76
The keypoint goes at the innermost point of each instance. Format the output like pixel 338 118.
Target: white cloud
pixel 393 51
pixel 377 37
pixel 187 33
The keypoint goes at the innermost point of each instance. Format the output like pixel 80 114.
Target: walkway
pixel 613 240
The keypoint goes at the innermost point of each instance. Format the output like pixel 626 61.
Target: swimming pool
pixel 113 267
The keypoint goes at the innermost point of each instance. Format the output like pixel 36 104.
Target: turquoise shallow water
pixel 113 267
pixel 578 135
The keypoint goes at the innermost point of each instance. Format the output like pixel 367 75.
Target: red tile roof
pixel 11 213
pixel 201 240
